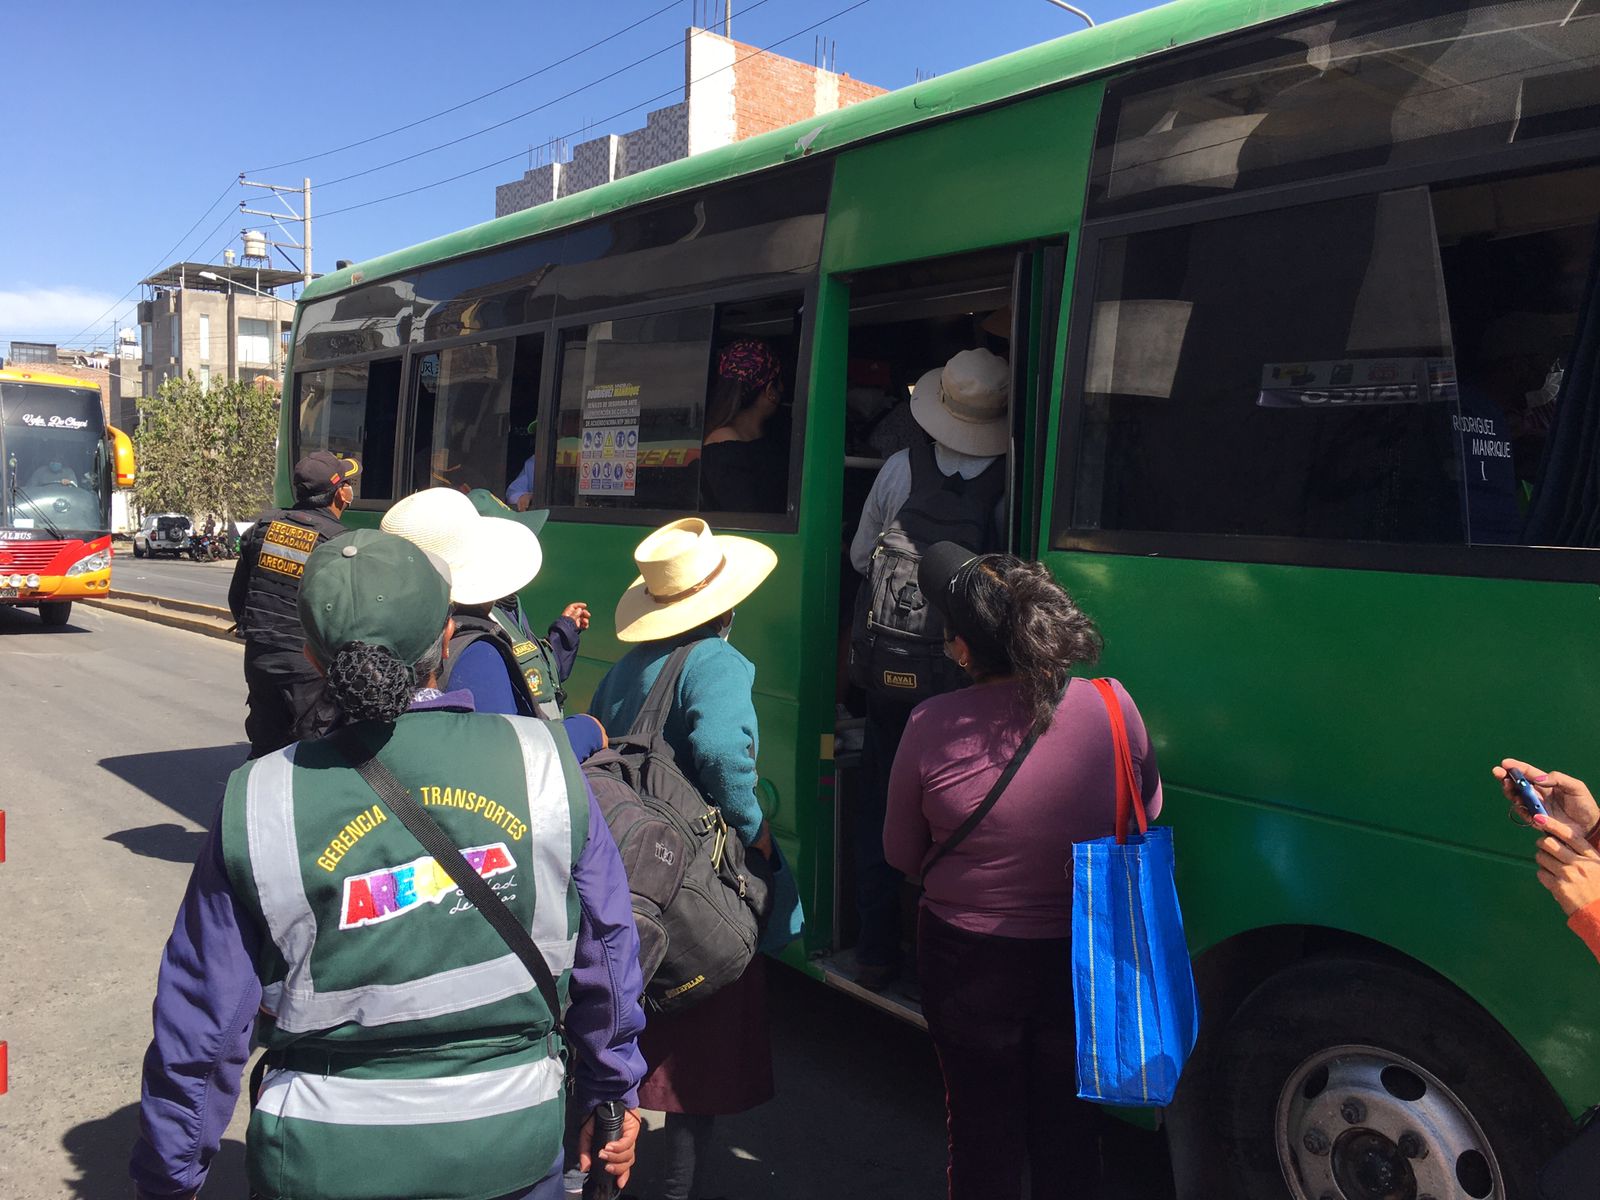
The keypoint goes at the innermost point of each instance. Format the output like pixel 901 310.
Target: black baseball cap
pixel 938 570
pixel 321 472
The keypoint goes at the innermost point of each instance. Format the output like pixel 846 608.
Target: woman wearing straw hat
pixel 962 408
pixel 714 1059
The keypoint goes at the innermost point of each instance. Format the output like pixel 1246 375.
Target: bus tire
pixel 1349 1077
pixel 56 612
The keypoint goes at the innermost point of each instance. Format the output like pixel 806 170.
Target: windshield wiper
pixel 16 490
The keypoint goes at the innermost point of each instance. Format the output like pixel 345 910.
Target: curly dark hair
pixel 1017 620
pixel 369 683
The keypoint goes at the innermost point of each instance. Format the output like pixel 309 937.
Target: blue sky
pixel 111 164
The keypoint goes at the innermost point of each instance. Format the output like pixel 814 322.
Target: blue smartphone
pixel 1527 795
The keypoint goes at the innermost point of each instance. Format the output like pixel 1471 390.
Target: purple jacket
pixel 208 993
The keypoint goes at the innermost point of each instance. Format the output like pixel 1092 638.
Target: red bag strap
pixel 1129 799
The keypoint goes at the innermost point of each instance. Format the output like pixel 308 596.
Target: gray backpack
pixel 699 896
pixel 896 636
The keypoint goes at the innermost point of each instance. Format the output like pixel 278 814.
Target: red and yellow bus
pixel 59 461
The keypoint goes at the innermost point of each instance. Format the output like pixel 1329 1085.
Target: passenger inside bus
pixel 747 438
pixel 743 466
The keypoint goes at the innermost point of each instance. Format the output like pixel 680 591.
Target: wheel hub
pixel 1368 1166
pixel 1362 1123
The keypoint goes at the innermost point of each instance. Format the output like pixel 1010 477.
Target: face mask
pixel 728 628
pixel 1551 389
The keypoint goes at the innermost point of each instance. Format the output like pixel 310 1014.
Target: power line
pixel 98 321
pixel 226 217
pixel 467 137
pixel 614 116
pixel 671 4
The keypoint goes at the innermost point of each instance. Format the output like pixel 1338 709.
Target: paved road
pixel 177 578
pixel 119 734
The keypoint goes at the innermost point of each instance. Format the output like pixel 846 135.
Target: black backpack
pixel 896 637
pixel 697 900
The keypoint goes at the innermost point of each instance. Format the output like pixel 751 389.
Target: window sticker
pixel 608 462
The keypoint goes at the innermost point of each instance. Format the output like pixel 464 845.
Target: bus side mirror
pixel 121 456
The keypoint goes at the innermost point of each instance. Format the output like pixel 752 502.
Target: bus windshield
pixel 51 443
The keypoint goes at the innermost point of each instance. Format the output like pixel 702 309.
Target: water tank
pixel 228 256
pixel 255 244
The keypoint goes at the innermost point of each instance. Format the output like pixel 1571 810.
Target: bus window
pixel 631 412
pixel 353 409
pixel 473 405
pixel 1411 82
pixel 750 430
pixel 1287 373
pixel 1382 368
pixel 1516 254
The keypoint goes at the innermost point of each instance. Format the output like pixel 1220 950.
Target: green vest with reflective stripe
pixel 408 1048
pixel 537 662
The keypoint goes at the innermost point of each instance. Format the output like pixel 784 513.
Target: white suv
pixel 162 533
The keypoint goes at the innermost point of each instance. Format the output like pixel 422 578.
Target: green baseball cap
pixel 490 505
pixel 374 587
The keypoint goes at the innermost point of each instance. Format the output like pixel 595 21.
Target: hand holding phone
pixel 1526 795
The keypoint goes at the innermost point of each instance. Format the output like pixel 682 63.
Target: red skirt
pixel 715 1059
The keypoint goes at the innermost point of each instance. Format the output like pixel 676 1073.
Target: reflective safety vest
pixel 409 1052
pixel 536 660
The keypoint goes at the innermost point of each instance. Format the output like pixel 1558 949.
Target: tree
pixel 205 451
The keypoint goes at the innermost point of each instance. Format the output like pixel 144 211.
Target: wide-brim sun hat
pixel 488 558
pixel 963 404
pixel 687 576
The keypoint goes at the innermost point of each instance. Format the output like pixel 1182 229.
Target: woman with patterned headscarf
pixel 742 469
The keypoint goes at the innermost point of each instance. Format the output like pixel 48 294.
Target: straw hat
pixel 963 404
pixel 489 558
pixel 687 575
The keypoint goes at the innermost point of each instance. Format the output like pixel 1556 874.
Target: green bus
pixel 1287 290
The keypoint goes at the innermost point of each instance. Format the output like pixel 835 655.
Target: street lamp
pixel 234 283
pixel 1071 8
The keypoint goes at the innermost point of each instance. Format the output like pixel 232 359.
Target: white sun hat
pixel 962 405
pixel 688 575
pixel 488 557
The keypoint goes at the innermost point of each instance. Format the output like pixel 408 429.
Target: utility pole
pixel 303 216
pixel 727 19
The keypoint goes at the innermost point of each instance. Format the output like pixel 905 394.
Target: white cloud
pixel 56 312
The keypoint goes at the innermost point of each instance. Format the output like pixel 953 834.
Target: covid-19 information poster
pixel 608 463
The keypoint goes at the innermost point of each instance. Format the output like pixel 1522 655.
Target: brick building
pixel 732 91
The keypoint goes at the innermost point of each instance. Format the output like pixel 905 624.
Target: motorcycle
pixel 208 548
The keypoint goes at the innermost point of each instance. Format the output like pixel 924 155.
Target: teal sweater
pixel 712 726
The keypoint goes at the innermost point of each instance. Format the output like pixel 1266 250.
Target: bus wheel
pixel 55 613
pixel 1349 1079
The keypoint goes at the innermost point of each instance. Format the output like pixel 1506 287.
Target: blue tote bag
pixel 1132 985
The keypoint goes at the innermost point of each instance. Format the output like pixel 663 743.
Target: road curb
pixel 179 614
pixel 184 606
